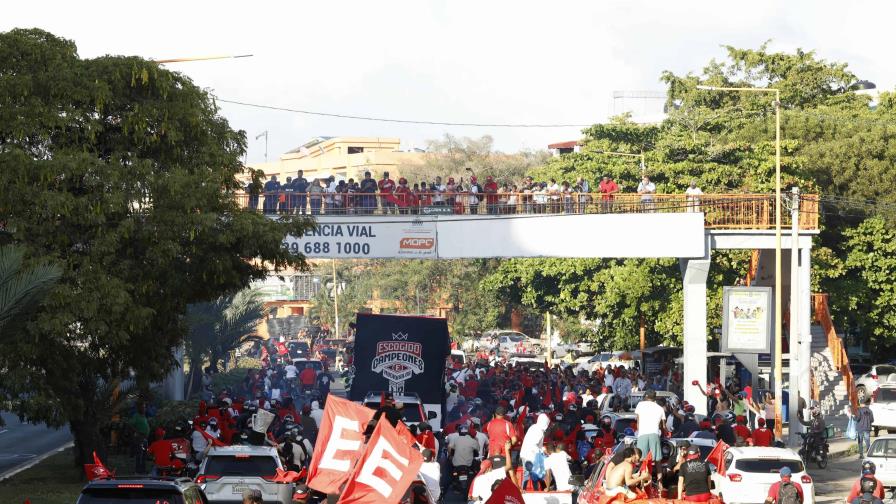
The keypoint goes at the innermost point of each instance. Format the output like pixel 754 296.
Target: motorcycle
pixel 815 449
pixel 461 478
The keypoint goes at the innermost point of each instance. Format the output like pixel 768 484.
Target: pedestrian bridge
pixel 577 226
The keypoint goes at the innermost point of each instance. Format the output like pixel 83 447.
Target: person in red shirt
pixel 500 432
pixel 740 428
pixel 307 378
pixel 403 196
pixel 491 195
pixel 608 188
pixel 868 470
pixel 774 493
pixel 387 187
pixel 761 435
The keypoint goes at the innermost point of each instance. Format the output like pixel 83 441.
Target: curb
pixel 36 460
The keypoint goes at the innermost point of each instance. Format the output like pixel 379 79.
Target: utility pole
pixel 795 365
pixel 335 300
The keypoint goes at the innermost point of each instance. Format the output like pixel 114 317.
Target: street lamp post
pixel 626 154
pixel 778 310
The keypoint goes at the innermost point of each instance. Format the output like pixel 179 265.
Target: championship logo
pixel 398 360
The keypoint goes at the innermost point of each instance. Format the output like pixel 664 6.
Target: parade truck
pixel 403 355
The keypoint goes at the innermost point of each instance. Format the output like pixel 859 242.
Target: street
pixel 833 483
pixel 20 442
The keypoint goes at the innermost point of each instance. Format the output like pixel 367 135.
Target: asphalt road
pixel 20 442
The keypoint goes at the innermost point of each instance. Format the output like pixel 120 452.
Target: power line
pixel 403 121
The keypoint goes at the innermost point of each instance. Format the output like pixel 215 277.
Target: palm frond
pixel 22 289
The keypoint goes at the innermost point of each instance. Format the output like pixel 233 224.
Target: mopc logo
pixel 417 243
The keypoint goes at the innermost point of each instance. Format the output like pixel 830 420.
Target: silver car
pixel 867 383
pixel 229 470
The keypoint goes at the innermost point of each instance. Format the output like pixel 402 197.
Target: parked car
pixel 883 454
pixel 511 341
pixel 867 383
pixel 884 408
pixel 229 470
pixel 178 490
pixel 747 473
pixel 603 359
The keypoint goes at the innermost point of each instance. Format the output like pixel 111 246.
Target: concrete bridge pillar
pixel 694 273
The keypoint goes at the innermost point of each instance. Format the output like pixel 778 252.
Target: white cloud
pixel 457 61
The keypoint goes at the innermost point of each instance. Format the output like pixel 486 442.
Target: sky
pixel 493 61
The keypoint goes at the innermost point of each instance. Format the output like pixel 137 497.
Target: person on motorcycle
pixel 868 470
pixel 462 450
pixel 869 489
pixel 815 436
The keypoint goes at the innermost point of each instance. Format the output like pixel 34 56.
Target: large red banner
pixel 385 470
pixel 338 444
pixel 506 493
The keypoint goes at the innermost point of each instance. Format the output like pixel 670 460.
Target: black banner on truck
pixel 401 354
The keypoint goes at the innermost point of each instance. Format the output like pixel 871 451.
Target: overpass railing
pixel 722 211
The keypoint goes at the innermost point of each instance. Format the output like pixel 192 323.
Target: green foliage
pixel 22 289
pixel 123 174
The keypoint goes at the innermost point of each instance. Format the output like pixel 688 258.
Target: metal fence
pixel 721 211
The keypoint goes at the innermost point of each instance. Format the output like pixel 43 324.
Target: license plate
pixel 239 489
pixel 462 477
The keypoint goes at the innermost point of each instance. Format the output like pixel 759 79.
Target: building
pixel 343 157
pixel 564 148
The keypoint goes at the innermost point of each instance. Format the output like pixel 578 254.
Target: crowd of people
pixel 298 195
pixel 538 426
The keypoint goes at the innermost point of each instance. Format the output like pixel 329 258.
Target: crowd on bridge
pixel 299 195
pixel 534 425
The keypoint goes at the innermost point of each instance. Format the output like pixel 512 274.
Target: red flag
pixel 715 456
pixel 212 439
pixel 97 470
pixel 520 427
pixel 385 470
pixel 281 348
pixel 283 476
pixel 339 442
pixel 506 493
pixel 405 434
pixel 518 400
pixel 647 464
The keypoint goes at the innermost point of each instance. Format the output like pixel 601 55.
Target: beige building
pixel 347 157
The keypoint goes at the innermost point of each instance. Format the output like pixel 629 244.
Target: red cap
pixel 761 422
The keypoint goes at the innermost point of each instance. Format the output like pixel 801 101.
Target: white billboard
pixel 468 237
pixel 352 237
pixel 747 320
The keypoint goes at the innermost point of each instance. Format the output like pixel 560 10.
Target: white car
pixel 605 359
pixel 883 454
pixel 511 341
pixel 868 382
pixel 884 408
pixel 229 470
pixel 747 474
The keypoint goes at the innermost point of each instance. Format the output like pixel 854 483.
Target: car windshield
pixel 316 365
pixel 886 394
pixel 516 338
pixel 624 423
pixel 129 496
pixel 411 413
pixel 884 371
pixel 883 448
pixel 767 465
pixel 230 465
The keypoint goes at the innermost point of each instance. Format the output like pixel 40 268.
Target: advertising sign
pixel 400 354
pixel 272 288
pixel 437 210
pixel 408 239
pixel 746 320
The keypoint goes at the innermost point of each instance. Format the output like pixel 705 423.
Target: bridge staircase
pixel 833 385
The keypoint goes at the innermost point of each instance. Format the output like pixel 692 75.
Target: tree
pixel 124 174
pixel 452 156
pixel 217 328
pixel 22 289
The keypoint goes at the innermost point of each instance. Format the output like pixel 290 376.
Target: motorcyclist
pixel 869 489
pixel 868 471
pixel 816 428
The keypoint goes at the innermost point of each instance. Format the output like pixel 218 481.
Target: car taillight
pixel 806 479
pixel 202 478
pixel 736 478
pixel 129 485
pixel 873 376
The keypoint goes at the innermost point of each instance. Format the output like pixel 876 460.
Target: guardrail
pixel 722 211
pixel 836 346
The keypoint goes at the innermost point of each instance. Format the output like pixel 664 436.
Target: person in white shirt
pixel 647 189
pixel 557 467
pixel 198 442
pixel 438 192
pixel 533 441
pixel 291 371
pixel 693 197
pixel 622 386
pixel 317 414
pixel 431 472
pixel 481 437
pixel 650 416
pixel 481 489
